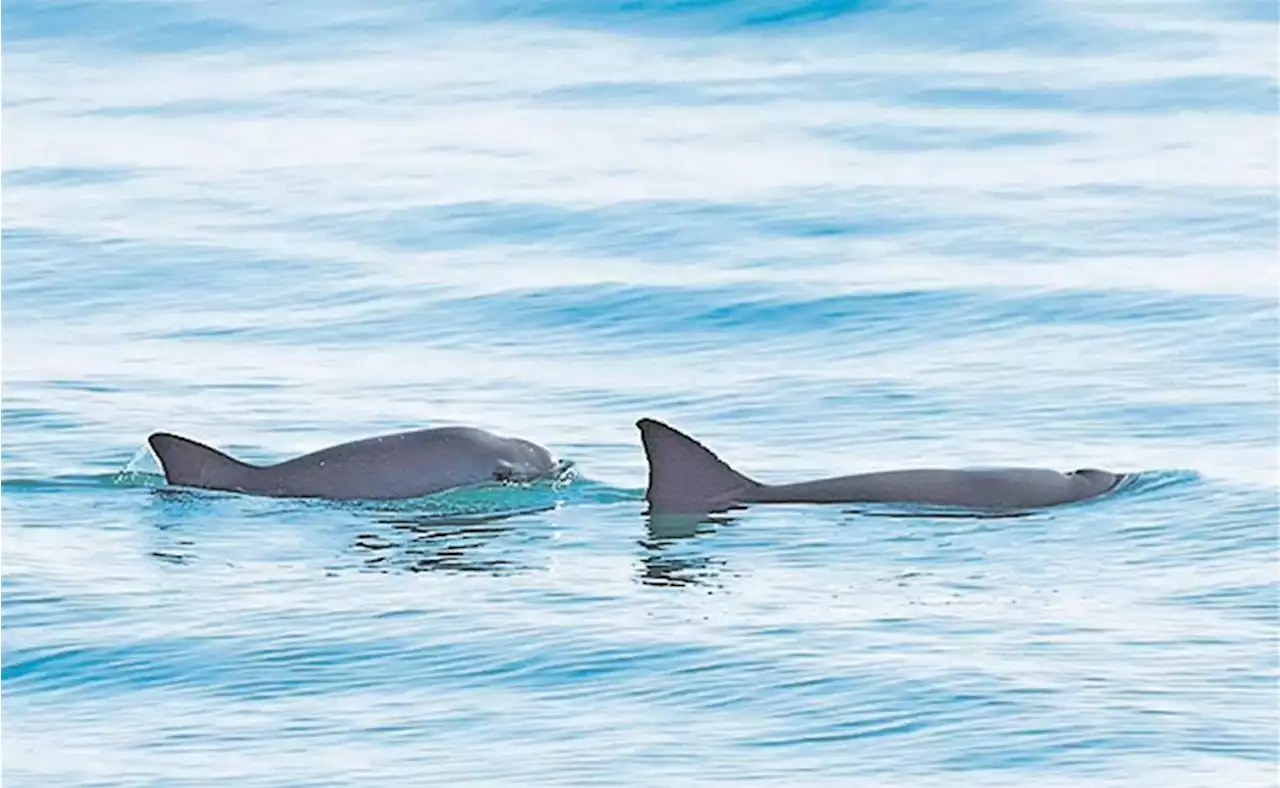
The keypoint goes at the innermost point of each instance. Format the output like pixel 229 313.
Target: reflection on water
pixel 431 543
pixel 674 556
pixel 463 531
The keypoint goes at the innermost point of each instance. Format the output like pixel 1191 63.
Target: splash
pixel 142 470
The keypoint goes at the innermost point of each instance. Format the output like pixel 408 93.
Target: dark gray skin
pixel 389 467
pixel 686 478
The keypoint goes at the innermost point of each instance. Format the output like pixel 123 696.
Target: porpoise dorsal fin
pixel 191 464
pixel 684 475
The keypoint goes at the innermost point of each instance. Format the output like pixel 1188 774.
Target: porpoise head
pixel 1090 482
pixel 530 459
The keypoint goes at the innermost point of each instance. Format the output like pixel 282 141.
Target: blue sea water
pixel 823 237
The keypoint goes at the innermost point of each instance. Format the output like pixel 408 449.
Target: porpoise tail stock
pixel 687 478
pixel 388 467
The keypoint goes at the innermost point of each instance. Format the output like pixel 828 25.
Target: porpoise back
pixel 403 465
pixel 686 477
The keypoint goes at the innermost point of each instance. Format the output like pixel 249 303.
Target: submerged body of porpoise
pixel 388 467
pixel 687 478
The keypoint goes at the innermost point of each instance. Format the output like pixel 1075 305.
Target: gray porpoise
pixel 687 478
pixel 404 465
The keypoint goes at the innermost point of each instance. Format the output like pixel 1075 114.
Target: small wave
pixel 674 17
pixel 1146 483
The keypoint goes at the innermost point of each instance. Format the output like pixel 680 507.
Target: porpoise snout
pixel 538 459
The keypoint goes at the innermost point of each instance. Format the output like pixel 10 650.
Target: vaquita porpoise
pixel 404 465
pixel 685 477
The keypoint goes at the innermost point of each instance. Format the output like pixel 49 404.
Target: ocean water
pixel 822 237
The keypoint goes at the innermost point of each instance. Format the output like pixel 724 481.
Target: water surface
pixel 822 237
